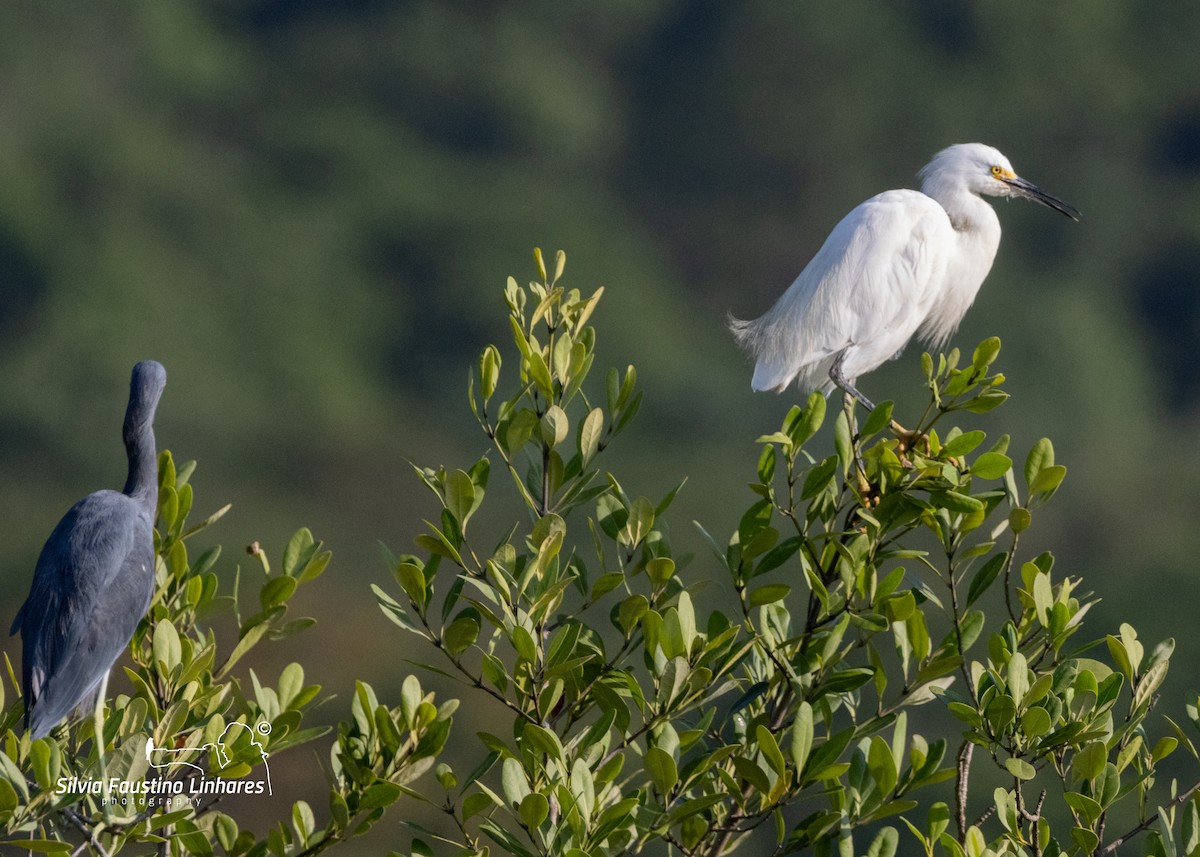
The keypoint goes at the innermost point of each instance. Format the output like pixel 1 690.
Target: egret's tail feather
pixel 742 330
pixel 776 366
pixel 768 375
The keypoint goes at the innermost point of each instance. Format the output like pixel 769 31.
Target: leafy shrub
pixel 865 582
pixel 860 578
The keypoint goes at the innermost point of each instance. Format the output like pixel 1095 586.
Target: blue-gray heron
pixel 94 578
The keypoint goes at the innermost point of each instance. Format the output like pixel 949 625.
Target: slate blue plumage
pixel 95 576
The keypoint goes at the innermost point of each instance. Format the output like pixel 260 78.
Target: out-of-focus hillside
pixel 307 211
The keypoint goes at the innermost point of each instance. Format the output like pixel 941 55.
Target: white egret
pixel 903 263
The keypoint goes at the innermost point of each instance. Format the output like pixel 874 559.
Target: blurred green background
pixel 307 211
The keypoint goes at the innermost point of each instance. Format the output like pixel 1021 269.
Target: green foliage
pixel 871 579
pixel 875 569
pixel 186 696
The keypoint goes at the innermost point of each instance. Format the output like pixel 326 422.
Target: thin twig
pixel 964 773
pixel 76 821
pixel 1145 825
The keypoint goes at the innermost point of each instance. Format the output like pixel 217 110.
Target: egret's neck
pixel 968 213
pixel 142 482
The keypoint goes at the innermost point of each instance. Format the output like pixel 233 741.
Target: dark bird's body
pixel 94 578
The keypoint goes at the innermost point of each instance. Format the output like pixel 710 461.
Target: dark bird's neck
pixel 142 483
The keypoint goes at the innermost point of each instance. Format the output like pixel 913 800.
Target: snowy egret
pixel 94 578
pixel 904 262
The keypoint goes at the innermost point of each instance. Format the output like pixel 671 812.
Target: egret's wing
pixel 869 285
pixel 92 585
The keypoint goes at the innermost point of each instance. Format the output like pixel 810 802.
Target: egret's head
pixel 981 169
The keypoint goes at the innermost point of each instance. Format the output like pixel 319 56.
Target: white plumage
pixel 904 262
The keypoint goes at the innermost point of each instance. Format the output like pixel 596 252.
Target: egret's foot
pixel 868 494
pixel 861 484
pixel 909 441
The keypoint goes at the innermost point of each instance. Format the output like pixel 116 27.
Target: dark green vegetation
pixel 303 210
pixel 880 580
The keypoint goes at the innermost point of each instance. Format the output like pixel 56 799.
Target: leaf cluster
pixel 187 693
pixel 882 576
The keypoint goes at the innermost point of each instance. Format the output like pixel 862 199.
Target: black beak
pixel 1030 191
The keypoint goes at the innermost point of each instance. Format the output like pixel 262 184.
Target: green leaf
pixel 475 803
pixel 489 371
pixel 437 543
pixel 985 401
pixel 877 420
pixel 606 583
pixel 956 502
pixel 1040 457
pixel 1019 768
pixel 770 749
pixel 1048 479
pixel 555 426
pixel 461 499
pixel 1018 677
pixel 39 756
pixel 882 765
pixel 846 680
pixel 380 794
pixel 539 372
pixel 1150 681
pixel 412 580
pixel 984 577
pixel 964 443
pixel 802 736
pixel 1085 806
pixel 1117 649
pixel 1043 598
pixel 462 632
pixel 1088 762
pixel 802 424
pixel 277 591
pixel 518 430
pixel 769 594
pixel 514 782
pixel 291 683
pixel 590 432
pixel 410 698
pixel 1163 747
pixel 641 519
pixel 1035 722
pixel 660 570
pixel 41 846
pixel 766 461
pixel 167 649
pixel 985 353
pixel 299 549
pixel 523 642
pixel 965 713
pixel 1087 841
pixel 630 612
pixel 535 809
pixel 884 844
pixel 583 788
pixel 991 465
pixel 662 770
pixel 542 740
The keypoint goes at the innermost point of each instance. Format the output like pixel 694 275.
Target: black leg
pixel 847 384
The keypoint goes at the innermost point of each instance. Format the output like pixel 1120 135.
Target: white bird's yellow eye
pixel 997 171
